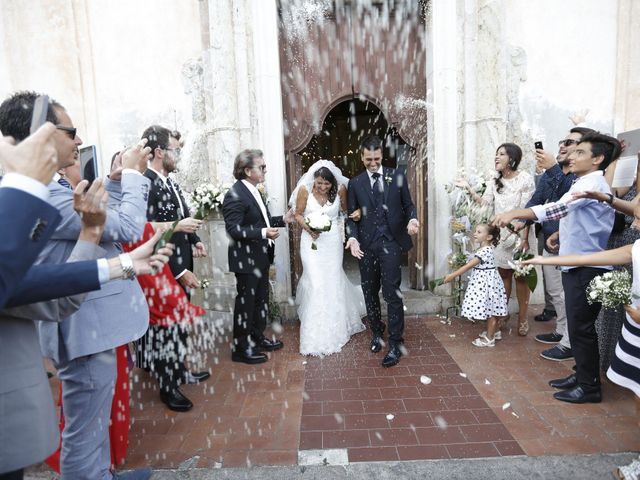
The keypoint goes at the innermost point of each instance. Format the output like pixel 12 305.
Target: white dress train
pixel 330 307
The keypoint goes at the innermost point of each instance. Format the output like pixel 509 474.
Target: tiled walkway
pixel 262 415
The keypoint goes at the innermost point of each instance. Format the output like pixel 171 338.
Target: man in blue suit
pixel 378 241
pixel 82 345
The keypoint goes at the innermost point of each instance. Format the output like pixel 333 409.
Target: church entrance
pixel 349 70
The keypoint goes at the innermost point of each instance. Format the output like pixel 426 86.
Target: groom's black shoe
pixel 392 357
pixel 264 344
pixel 566 383
pixel 376 343
pixel 248 355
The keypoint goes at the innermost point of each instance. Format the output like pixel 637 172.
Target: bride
pixel 329 305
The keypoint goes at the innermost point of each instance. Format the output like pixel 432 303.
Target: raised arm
pixel 475 261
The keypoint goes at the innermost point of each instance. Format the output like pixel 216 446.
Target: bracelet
pixel 609 199
pixel 128 272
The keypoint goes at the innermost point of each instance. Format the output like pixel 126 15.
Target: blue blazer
pixel 27 224
pixel 399 208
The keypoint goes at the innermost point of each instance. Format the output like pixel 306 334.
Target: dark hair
pixel 514 152
pixel 157 137
pixel 245 160
pixel 371 142
pixel 581 130
pixel 325 174
pixel 16 111
pixel 494 231
pixel 605 145
pixel 113 159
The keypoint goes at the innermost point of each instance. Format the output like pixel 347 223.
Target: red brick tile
pixel 432 390
pixel 466 390
pixel 485 433
pixel 361 394
pixel 312 408
pixel 472 450
pixel 321 422
pixel 366 421
pixel 455 417
pixel 485 415
pixel 465 403
pixel 365 382
pixel 424 404
pixel 323 395
pixel 392 436
pixel 411 419
pixel 439 436
pixel 345 439
pixel 373 454
pixel 337 383
pixel 236 458
pixel 273 457
pixel 343 407
pixel 422 452
pixel 399 392
pixel 310 440
pixel 508 448
pixel 383 406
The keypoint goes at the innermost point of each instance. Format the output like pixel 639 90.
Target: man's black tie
pixel 376 189
pixel 62 181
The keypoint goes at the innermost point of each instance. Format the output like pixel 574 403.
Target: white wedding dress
pixel 329 305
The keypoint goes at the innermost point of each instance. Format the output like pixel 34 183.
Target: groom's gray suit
pixel 82 345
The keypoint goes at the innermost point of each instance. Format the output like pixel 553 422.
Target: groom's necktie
pixel 376 188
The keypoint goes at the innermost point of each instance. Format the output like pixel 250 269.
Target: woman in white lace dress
pixel 510 189
pixel 329 305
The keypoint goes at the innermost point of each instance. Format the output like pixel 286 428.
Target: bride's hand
pixel 314 235
pixel 356 215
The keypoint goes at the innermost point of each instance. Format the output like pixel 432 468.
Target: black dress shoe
pixel 193 378
pixel 267 345
pixel 578 395
pixel 376 343
pixel 175 400
pixel 249 356
pixel 565 383
pixel 392 357
pixel 545 316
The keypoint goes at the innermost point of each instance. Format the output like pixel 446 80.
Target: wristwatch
pixel 128 272
pixel 609 199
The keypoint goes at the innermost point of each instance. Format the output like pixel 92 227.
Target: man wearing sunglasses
pixel 82 345
pixel 553 184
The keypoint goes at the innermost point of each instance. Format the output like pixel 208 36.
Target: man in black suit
pixel 167 204
pixel 251 249
pixel 378 241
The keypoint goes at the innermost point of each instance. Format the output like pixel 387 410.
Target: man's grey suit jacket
pixel 118 313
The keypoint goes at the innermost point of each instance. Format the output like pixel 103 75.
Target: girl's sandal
pixel 523 328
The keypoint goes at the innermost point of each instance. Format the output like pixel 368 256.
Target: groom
pixel 378 241
pixel 252 231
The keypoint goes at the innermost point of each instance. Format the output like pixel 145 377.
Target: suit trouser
pixel 553 287
pixel 87 394
pixel 251 308
pixel 581 318
pixel 15 475
pixel 165 350
pixel 381 266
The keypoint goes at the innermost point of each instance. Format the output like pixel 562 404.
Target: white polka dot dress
pixel 485 296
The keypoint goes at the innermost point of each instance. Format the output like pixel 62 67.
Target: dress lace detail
pixel 329 305
pixel 517 191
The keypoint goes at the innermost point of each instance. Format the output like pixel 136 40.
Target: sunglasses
pixel 70 130
pixel 568 142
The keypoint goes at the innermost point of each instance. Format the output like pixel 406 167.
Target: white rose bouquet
pixel 528 272
pixel 207 197
pixel 318 222
pixel 610 289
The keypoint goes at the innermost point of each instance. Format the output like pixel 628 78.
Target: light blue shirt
pixel 585 224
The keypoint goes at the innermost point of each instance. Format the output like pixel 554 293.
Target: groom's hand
pixel 272 233
pixel 354 247
pixel 413 226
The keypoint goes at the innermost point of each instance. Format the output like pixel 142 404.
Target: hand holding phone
pixel 538 145
pixel 35 157
pixel 39 113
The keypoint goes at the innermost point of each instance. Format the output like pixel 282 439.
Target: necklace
pixel 320 198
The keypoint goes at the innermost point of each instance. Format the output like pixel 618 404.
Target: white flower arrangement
pixel 262 190
pixel 207 197
pixel 528 272
pixel 205 283
pixel 610 289
pixel 318 222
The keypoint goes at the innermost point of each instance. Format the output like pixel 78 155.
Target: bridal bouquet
pixel 528 272
pixel 610 289
pixel 318 222
pixel 207 197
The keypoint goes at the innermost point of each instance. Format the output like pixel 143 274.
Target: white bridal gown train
pixel 330 307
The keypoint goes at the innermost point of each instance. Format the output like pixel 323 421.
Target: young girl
pixel 625 365
pixel 485 298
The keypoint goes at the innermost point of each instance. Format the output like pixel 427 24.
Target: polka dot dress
pixel 485 296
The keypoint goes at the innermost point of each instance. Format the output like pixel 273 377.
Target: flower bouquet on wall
pixel 207 197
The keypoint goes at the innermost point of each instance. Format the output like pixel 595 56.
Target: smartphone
pixel 538 146
pixel 88 163
pixel 39 114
